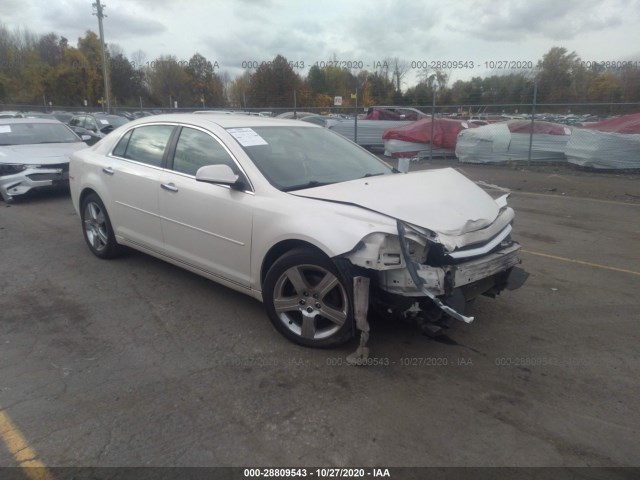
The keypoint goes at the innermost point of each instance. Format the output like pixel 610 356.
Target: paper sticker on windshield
pixel 104 122
pixel 247 137
pixel 5 128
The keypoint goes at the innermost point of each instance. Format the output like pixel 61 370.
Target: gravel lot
pixel 134 362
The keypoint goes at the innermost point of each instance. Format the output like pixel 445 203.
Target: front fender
pixel 331 227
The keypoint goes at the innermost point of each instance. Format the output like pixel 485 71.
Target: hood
pixel 444 201
pixel 40 154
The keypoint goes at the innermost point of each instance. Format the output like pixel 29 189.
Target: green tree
pixel 74 81
pixel 90 64
pixel 35 77
pixel 169 81
pixel 560 79
pixel 238 89
pixel 630 83
pixel 51 49
pixel 123 80
pixel 316 80
pixel 273 84
pixel 205 86
pixel 605 87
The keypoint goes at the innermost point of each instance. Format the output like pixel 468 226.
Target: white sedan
pixel 298 217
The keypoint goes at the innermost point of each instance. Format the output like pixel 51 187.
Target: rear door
pixel 134 176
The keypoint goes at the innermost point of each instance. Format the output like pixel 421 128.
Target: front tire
pixel 96 227
pixel 308 300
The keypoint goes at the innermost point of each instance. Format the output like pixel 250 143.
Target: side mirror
pixel 221 174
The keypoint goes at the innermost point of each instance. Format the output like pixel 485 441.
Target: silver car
pixel 34 154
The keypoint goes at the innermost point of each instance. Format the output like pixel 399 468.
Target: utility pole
pixel 99 13
pixel 433 77
pixel 533 119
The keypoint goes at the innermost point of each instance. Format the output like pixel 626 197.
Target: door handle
pixel 169 186
pixel 108 170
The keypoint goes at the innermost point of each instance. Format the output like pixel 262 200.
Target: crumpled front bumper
pixel 438 280
pixel 451 286
pixel 33 177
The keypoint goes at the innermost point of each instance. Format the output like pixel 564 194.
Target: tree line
pixel 38 69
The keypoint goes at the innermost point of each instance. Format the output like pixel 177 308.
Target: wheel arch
pixel 86 192
pixel 279 249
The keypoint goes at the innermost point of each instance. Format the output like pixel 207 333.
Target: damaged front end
pixel 432 277
pixel 18 179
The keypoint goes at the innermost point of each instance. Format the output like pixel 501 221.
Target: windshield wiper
pixel 311 184
pixel 372 175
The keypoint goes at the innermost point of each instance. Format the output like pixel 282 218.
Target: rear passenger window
pixel 196 149
pixel 146 144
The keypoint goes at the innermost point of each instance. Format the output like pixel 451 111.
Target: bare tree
pixel 400 69
pixel 139 57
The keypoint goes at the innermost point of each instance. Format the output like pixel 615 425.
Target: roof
pixel 224 121
pixel 11 121
pixel 98 114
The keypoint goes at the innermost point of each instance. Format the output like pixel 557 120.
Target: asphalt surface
pixel 134 362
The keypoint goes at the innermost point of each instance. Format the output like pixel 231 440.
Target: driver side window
pixel 196 149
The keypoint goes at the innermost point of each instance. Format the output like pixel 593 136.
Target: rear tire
pixel 308 300
pixel 96 227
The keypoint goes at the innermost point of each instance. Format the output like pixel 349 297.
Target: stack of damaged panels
pixel 509 142
pixel 369 131
pixel 612 144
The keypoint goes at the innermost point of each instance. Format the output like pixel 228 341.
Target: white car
pixel 311 224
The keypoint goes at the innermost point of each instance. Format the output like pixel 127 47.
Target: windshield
pixel 33 133
pixel 293 158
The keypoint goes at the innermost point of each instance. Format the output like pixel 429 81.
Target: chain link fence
pixel 492 133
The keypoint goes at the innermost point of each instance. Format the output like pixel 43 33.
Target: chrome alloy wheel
pixel 310 301
pixel 95 226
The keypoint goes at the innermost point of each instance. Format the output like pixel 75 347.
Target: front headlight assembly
pixel 11 168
